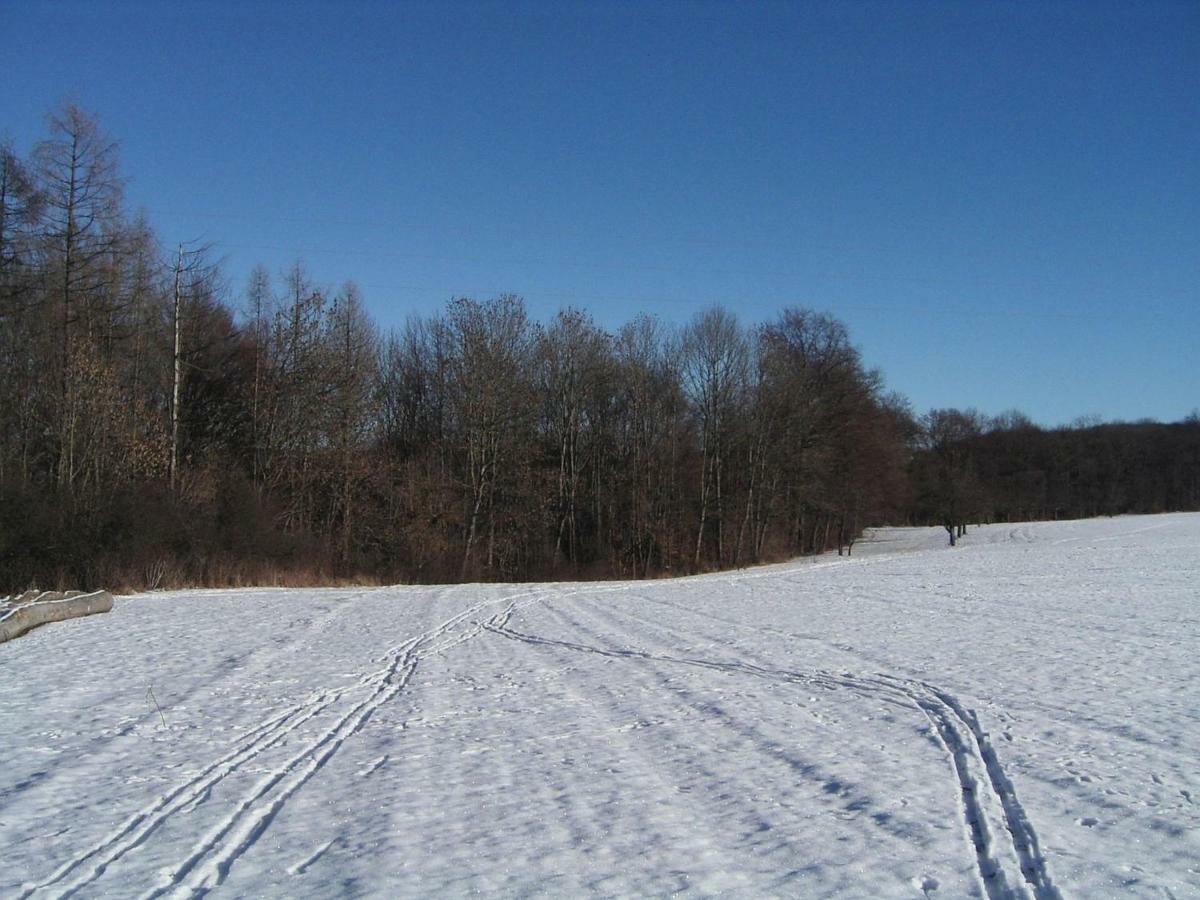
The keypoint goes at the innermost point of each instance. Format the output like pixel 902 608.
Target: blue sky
pixel 1001 200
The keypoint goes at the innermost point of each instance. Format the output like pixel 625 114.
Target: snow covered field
pixel 1019 716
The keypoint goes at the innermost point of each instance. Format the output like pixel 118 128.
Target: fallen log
pixel 34 608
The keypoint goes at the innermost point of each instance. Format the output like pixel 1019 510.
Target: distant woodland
pixel 159 427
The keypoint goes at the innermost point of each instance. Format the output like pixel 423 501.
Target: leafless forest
pixel 160 425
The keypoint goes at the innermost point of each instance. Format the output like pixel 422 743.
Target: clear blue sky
pixel 1002 200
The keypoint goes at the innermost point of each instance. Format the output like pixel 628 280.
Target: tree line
pixel 970 468
pixel 159 428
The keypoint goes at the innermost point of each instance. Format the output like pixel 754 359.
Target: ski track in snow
pixel 211 859
pixel 1008 867
pixel 970 750
pixel 242 790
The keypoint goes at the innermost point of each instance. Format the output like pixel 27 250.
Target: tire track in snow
pixel 1008 868
pixel 212 857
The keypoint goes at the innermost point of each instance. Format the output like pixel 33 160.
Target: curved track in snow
pixel 210 859
pixel 1008 858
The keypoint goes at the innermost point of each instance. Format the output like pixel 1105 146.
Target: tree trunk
pixel 177 377
pixel 703 506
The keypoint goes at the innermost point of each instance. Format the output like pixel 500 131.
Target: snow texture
pixel 1015 717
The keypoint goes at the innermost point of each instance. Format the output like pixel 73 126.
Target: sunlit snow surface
pixel 1019 716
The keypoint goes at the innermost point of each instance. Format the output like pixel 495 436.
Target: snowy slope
pixel 1019 716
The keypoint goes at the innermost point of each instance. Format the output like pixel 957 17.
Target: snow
pixel 1018 716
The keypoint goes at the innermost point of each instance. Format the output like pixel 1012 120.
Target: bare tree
pixel 714 372
pixel 420 529
pixel 77 173
pixel 192 274
pixel 489 349
pixel 296 388
pixel 20 212
pixel 21 378
pixel 574 371
pixel 809 368
pixel 258 313
pixel 954 493
pixel 648 436
pixel 353 342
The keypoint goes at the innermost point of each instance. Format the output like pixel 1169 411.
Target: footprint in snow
pixel 1087 822
pixel 926 884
